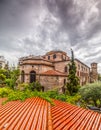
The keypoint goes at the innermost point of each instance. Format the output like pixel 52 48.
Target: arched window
pixel 48 57
pixel 22 76
pixel 32 76
pixel 54 56
pixel 64 81
pixel 66 69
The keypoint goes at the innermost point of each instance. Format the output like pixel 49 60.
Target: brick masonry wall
pixel 60 66
pixel 52 82
pixel 83 72
pixel 59 63
pixel 59 56
pixel 37 68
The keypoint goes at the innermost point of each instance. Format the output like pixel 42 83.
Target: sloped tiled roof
pixel 38 114
pixel 29 115
pixel 54 73
pixel 69 117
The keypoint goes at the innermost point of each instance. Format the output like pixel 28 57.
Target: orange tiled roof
pixel 69 117
pixel 38 114
pixel 29 115
pixel 54 73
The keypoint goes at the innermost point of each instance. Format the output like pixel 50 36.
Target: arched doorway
pixel 63 89
pixel 42 89
pixel 22 76
pixel 32 76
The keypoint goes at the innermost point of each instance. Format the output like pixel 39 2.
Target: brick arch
pixel 32 76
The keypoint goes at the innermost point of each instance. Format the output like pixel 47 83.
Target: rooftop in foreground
pixel 38 114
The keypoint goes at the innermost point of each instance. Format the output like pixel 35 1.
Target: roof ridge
pixel 53 72
pixel 59 71
pixel 50 124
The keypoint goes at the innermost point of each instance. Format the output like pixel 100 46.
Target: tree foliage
pixel 35 86
pixel 91 94
pixel 23 94
pixel 3 76
pixel 12 80
pixel 73 80
pixel 99 77
pixel 9 77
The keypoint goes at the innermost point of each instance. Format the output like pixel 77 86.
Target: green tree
pixel 12 80
pixel 6 66
pixel 35 86
pixel 99 77
pixel 5 71
pixel 3 76
pixel 73 80
pixel 91 94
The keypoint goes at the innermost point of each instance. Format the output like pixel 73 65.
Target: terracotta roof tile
pixel 54 73
pixel 31 114
pixel 38 114
pixel 70 117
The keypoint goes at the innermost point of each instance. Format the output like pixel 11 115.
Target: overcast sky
pixel 37 26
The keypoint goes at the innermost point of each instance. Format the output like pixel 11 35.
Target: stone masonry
pixel 51 70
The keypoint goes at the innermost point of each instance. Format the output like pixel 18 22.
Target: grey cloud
pixel 69 15
pixel 10 45
pixel 17 16
pixel 92 54
pixel 72 14
pixel 37 26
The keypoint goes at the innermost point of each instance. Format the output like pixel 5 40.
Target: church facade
pixel 51 70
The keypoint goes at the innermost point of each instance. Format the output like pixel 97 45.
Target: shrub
pixel 35 86
pixel 13 95
pixel 52 94
pixel 2 80
pixel 91 94
pixel 73 99
pixel 4 92
pixel 55 95
pixel 18 95
pixel 10 83
pixel 27 93
pixel 23 86
pixel 61 97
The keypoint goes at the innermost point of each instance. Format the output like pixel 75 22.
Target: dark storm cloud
pixel 81 20
pixel 16 15
pixel 72 15
pixel 38 26
pixel 17 18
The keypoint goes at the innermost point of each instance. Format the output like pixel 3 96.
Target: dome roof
pixel 55 51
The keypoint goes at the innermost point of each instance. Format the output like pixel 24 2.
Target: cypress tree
pixel 73 80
